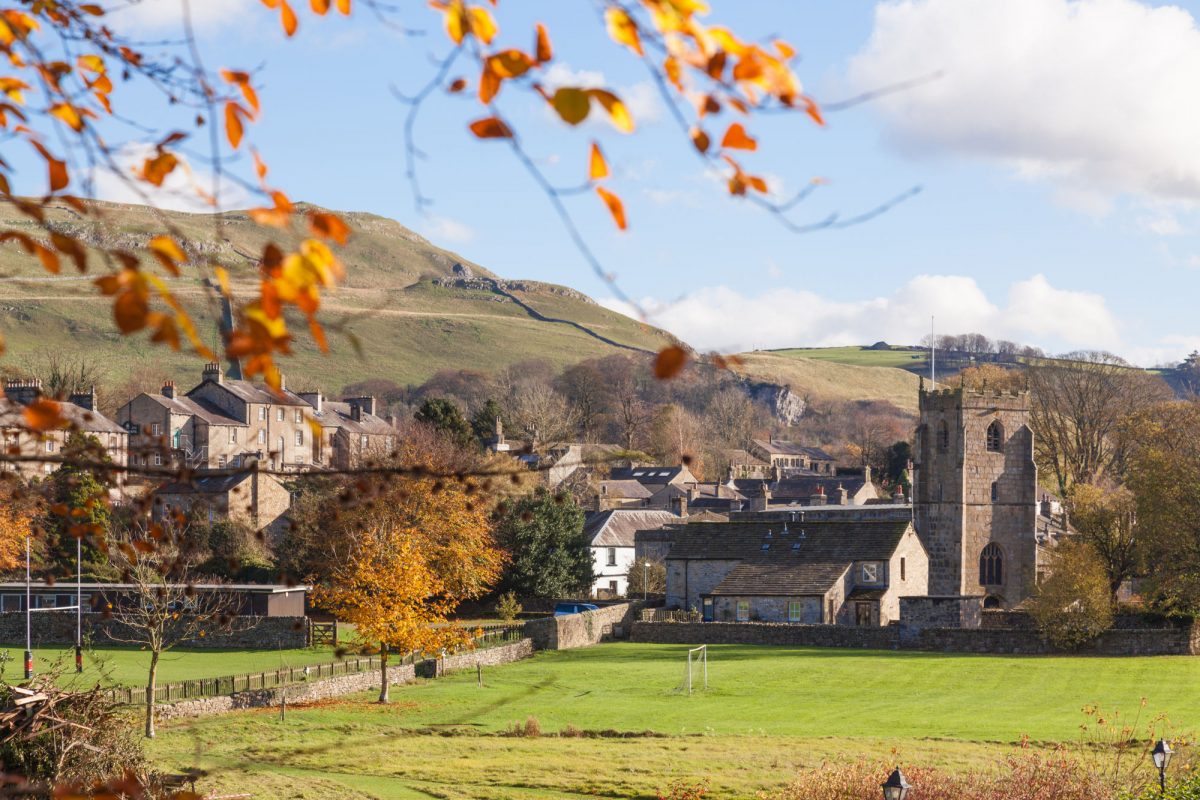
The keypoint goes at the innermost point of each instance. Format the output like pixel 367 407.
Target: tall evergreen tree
pixel 549 554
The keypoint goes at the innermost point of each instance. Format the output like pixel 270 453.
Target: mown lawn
pixel 128 666
pixel 769 711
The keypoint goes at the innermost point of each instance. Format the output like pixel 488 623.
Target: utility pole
pixel 932 354
pixel 28 626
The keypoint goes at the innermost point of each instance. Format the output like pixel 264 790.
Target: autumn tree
pixel 549 555
pixel 539 414
pixel 1107 520
pixel 647 576
pixel 676 437
pixel 1073 605
pixel 406 558
pixel 992 377
pixel 18 511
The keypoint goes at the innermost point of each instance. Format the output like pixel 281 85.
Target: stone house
pixel 793 458
pixel 351 431
pixel 844 571
pixel 612 538
pixel 254 498
pixel 621 494
pixel 168 430
pixel 847 487
pixel 81 415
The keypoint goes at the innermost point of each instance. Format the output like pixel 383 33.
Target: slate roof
pixel 12 416
pixel 337 414
pixel 625 490
pixel 251 392
pixel 191 406
pixel 740 458
pixel 791 564
pixel 206 484
pixel 646 475
pixel 792 449
pixel 805 487
pixel 616 528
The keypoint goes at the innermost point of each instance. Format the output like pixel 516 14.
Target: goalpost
pixel 697 662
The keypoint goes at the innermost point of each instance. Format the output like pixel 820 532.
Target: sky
pixel 1055 143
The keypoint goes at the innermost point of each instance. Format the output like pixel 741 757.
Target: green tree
pixel 647 576
pixel 1108 521
pixel 483 424
pixel 897 458
pixel 1073 606
pixel 445 417
pixel 549 553
pixel 78 508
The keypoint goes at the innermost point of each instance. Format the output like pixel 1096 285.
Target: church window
pixel 991 565
pixel 995 491
pixel 995 437
pixel 943 435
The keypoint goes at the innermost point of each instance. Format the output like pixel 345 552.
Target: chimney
pixel 679 505
pixel 23 392
pixel 314 399
pixel 777 472
pixel 85 401
pixel 761 498
pixel 168 389
pixel 355 412
pixel 898 495
pixel 363 404
pixel 692 492
pixel 282 382
pixel 841 496
pixel 212 372
pixel 867 473
pixel 818 498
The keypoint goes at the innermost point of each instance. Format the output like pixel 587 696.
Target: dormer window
pixel 870 573
pixel 995 437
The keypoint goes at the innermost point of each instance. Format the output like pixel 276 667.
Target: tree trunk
pixel 150 686
pixel 383 664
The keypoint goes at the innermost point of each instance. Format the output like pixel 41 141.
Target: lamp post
pixel 895 787
pixel 1161 754
pixel 645 580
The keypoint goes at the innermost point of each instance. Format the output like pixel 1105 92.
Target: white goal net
pixel 697 669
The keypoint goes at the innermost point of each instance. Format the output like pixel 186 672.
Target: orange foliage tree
pixel 16 523
pixel 409 557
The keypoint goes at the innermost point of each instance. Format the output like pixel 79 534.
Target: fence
pixel 491 636
pixel 665 615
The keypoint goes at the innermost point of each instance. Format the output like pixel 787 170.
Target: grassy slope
pixel 769 711
pixel 829 380
pixel 408 327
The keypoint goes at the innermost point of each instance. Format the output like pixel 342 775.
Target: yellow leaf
pixel 491 128
pixel 622 29
pixel 615 206
pixel 343 6
pixel 481 23
pixel 168 248
pixel 91 62
pixel 223 280
pixel 510 63
pixel 597 167
pixel 617 111
pixel 571 104
pixel 669 362
pixel 737 138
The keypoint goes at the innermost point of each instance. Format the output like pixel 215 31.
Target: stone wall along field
pixel 58 627
pixel 695 633
pixel 580 630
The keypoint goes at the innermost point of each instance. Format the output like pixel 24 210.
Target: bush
pixel 508 607
pixel 681 789
pixel 1073 606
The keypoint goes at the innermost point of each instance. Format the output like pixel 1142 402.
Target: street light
pixel 1161 754
pixel 895 787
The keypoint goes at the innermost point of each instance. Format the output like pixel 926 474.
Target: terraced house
pixel 79 410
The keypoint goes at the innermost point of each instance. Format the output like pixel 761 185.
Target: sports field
pixel 769 711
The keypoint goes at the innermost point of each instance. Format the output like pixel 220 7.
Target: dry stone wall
pixel 584 629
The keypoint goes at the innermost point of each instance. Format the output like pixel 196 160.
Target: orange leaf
pixel 622 29
pixel 287 17
pixel 168 253
pixel 571 104
pixel 344 7
pixel 68 114
pixel 615 207
pixel 810 108
pixel 597 167
pixel 155 170
pixel 233 124
pixel 260 168
pixel 737 138
pixel 674 72
pixel 320 6
pixel 617 111
pixel 457 86
pixel 489 84
pixel 699 139
pixel 669 362
pixel 542 49
pixel 329 225
pixel 510 63
pixel 491 128
pixel 44 415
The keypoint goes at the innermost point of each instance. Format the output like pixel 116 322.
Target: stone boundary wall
pixel 58 627
pixel 1115 642
pixel 335 687
pixel 583 629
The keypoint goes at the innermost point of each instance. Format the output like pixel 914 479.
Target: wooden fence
pixel 491 636
pixel 673 615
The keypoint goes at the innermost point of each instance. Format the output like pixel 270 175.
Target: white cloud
pixel 181 191
pixel 163 14
pixel 1096 97
pixel 724 319
pixel 441 230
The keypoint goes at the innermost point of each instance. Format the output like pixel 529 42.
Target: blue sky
pixel 1058 155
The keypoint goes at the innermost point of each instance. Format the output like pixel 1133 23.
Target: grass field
pixel 768 712
pixel 860 356
pixel 128 666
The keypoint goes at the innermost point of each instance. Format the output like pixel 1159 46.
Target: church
pixel 975 495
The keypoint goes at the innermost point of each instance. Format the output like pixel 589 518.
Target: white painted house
pixel 611 537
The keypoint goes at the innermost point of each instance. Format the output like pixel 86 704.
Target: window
pixel 991 565
pixel 220 462
pixel 262 413
pixel 612 588
pixel 11 602
pixel 362 441
pixel 902 568
pixel 995 437
pixel 995 491
pixel 49 445
pixel 279 414
pixel 158 459
pixel 943 436
pixel 233 435
pixel 870 573
pixel 743 610
pixel 299 438
pixel 299 416
pixel 262 435
pixel 156 429
pixel 793 610
pixel 612 556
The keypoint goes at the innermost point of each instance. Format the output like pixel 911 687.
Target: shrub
pixel 571 732
pixel 508 607
pixel 682 789
pixel 1187 789
pixel 1073 605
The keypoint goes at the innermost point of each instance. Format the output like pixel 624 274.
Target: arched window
pixel 991 601
pixel 991 566
pixel 995 437
pixel 943 436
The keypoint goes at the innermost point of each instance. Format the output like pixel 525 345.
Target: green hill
pixel 413 308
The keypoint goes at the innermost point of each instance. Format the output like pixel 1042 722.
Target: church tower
pixel 975 492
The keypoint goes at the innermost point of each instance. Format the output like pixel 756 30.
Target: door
pixel 708 609
pixel 862 614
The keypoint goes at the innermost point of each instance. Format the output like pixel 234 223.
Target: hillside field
pixel 769 711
